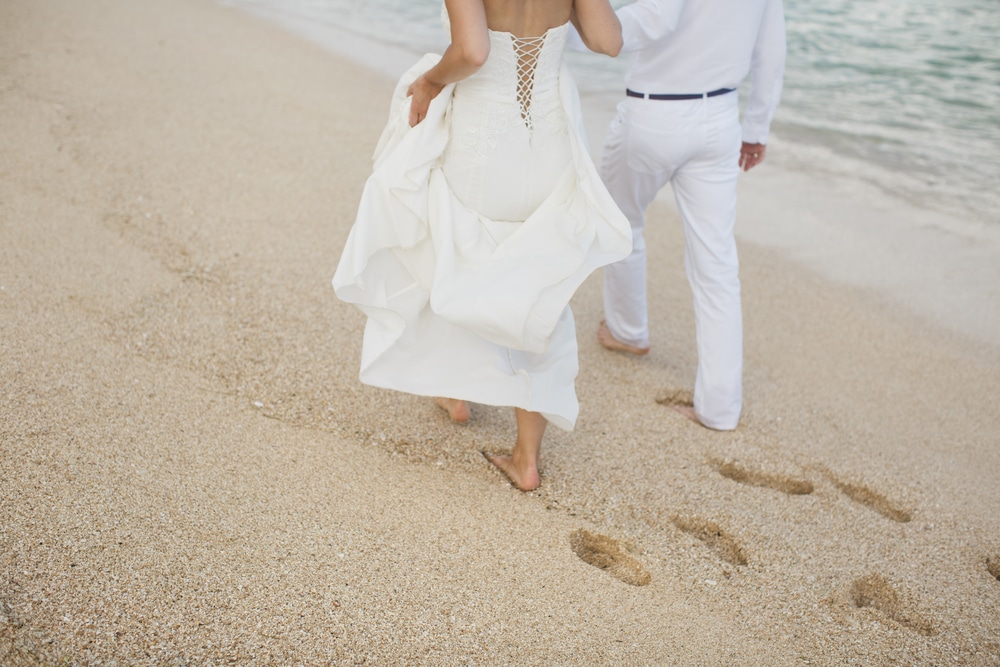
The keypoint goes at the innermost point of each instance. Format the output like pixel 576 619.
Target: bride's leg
pixel 457 409
pixel 521 467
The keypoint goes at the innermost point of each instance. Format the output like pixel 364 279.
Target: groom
pixel 679 124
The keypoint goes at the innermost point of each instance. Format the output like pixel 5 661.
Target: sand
pixel 190 472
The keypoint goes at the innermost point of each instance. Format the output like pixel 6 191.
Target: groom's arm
pixel 646 22
pixel 767 72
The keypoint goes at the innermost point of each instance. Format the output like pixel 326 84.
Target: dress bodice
pixel 522 72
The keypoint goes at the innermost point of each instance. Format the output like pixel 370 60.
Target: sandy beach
pixel 191 473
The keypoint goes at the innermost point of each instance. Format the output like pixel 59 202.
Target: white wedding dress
pixel 475 229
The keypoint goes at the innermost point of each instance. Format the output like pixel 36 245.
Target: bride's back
pixel 509 132
pixel 527 18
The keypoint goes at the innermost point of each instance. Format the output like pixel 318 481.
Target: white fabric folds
pixel 462 306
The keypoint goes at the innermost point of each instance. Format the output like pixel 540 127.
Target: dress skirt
pixel 469 242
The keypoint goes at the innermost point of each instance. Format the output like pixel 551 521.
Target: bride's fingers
pixel 418 109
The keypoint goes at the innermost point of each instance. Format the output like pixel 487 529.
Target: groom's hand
pixel 751 155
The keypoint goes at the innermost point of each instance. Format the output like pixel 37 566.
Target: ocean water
pixel 902 93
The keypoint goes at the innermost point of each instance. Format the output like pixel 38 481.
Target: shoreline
pixel 192 472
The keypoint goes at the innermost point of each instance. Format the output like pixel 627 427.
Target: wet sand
pixel 190 471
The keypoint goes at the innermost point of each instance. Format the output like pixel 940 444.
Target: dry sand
pixel 190 472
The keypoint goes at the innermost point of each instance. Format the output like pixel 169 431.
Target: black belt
pixel 696 96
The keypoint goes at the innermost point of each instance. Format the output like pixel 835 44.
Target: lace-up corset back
pixel 520 71
pixel 526 70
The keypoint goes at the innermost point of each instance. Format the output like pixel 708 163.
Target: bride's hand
pixel 421 92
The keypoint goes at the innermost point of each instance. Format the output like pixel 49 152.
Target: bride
pixel 482 217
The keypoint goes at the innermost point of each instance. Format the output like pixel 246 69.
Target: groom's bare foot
pixel 605 338
pixel 679 400
pixel 687 411
pixel 457 410
pixel 524 478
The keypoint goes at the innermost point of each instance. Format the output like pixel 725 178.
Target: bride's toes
pixel 526 480
pixel 457 410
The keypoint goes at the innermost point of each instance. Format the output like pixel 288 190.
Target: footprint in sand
pixel 875 592
pixel 783 483
pixel 869 498
pixel 607 554
pixel 675 397
pixel 993 566
pixel 716 539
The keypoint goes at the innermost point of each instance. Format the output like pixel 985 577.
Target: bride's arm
pixel 598 26
pixel 470 45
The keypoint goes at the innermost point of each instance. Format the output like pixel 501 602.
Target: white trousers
pixel 693 145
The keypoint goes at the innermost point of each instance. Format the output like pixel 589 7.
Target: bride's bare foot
pixel 457 410
pixel 521 467
pixel 605 338
pixel 524 478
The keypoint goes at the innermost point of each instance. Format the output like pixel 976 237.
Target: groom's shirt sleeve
pixel 646 22
pixel 767 71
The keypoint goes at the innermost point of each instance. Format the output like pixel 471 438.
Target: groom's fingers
pixel 751 155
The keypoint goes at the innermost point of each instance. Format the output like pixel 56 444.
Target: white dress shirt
pixel 697 46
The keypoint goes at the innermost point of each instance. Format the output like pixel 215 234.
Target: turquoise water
pixel 905 92
pixel 910 85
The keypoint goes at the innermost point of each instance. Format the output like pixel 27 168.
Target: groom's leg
pixel 705 189
pixel 625 281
